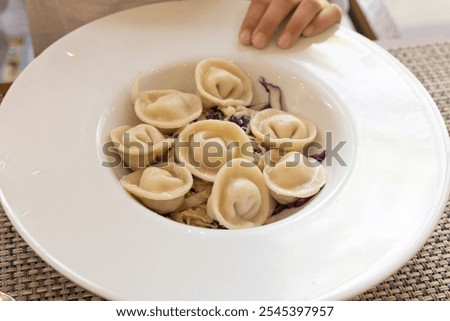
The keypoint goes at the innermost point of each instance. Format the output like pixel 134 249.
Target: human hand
pixel 309 18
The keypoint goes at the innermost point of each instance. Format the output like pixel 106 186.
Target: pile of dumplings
pixel 212 159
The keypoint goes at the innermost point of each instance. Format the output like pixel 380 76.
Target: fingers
pixel 262 20
pixel 328 16
pixel 309 18
pixel 254 14
pixel 300 20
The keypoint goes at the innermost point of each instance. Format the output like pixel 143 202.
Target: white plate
pixel 372 216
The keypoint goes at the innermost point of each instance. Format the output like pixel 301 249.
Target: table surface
pixel 426 276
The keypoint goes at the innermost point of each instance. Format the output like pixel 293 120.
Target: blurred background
pixel 389 22
pixel 16 49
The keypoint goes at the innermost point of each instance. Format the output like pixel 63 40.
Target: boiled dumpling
pixel 141 145
pixel 167 110
pixel 222 83
pixel 282 130
pixel 205 146
pixel 294 176
pixel 240 197
pixel 160 187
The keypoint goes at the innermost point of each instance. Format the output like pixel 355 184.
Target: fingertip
pixel 337 12
pixel 285 40
pixel 259 40
pixel 245 37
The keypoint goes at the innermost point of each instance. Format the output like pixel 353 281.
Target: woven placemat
pixel 25 276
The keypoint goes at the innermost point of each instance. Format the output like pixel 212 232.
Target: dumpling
pixel 161 187
pixel 239 197
pixel 205 146
pixel 221 83
pixel 141 145
pixel 167 110
pixel 282 130
pixel 294 176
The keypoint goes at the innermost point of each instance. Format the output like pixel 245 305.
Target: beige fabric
pixel 51 19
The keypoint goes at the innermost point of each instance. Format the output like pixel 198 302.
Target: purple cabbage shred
pixel 320 156
pixel 274 93
pixel 241 121
pixel 214 113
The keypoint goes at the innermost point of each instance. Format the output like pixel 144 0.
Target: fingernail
pixel 259 40
pixel 246 37
pixel 285 40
